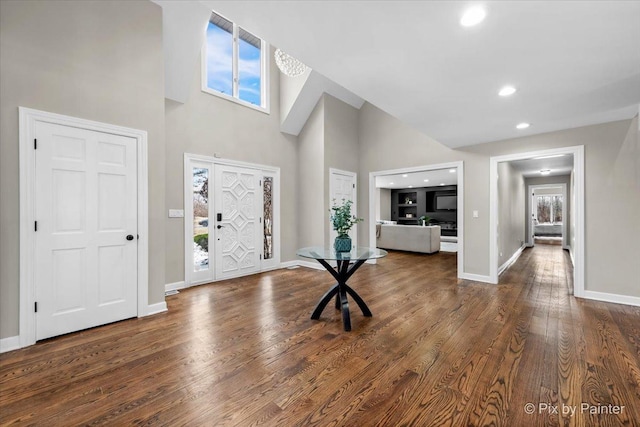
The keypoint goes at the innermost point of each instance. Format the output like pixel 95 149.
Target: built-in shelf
pixel 423 202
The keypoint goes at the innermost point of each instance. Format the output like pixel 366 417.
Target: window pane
pixel 220 55
pixel 200 219
pixel 544 209
pixel 249 69
pixel 268 217
pixel 557 209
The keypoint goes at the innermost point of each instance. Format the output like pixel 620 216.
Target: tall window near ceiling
pixel 235 64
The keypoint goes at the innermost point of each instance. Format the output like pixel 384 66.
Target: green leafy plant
pixel 425 218
pixel 341 217
pixel 202 240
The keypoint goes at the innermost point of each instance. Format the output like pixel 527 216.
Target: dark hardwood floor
pixel 437 351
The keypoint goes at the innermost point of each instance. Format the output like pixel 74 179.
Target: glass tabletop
pixel 328 253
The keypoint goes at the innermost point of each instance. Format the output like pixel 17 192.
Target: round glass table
pixel 347 264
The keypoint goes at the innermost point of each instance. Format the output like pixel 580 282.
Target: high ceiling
pixel 573 63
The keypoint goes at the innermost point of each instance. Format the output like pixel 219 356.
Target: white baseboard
pixel 9 344
pixel 288 264
pixel 614 298
pixel 156 308
pixel 511 260
pixel 475 278
pixel 310 264
pixel 175 286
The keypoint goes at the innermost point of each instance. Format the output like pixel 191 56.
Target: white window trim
pixel 265 54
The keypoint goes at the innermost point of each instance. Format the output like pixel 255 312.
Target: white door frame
pixel 531 189
pixel 271 171
pixel 577 196
pixel 27 134
pixel 354 205
pixel 459 166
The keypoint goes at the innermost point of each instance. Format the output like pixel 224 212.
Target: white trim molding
pixel 159 307
pixel 459 166
pixel 475 277
pixel 614 298
pixel 9 344
pixel 27 130
pixel 577 196
pixel 175 286
pixel 511 260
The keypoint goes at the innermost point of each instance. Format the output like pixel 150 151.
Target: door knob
pixel 130 237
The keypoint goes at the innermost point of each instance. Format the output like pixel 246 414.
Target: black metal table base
pixel 340 290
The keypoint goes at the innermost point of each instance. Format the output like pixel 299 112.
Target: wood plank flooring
pixel 437 351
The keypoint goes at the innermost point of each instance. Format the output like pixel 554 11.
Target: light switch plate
pixel 176 213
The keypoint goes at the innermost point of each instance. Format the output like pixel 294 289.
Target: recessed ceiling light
pixel 522 125
pixel 405 175
pixel 426 180
pixel 507 90
pixel 391 183
pixel 442 183
pixel 545 171
pixel 549 157
pixel 452 170
pixel 473 16
pixel 411 186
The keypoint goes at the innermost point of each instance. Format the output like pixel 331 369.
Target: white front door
pixel 86 229
pixel 237 223
pixel 342 186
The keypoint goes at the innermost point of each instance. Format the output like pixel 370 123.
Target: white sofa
pixel 413 238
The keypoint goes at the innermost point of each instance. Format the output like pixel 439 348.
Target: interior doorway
pixel 575 173
pixel 452 221
pixel 547 213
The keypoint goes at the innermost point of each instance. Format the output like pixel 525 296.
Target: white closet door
pixel 86 238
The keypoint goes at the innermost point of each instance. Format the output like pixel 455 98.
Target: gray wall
pixel 97 60
pixel 340 149
pixel 207 124
pixel 311 178
pixel 511 211
pixel 383 203
pixel 543 180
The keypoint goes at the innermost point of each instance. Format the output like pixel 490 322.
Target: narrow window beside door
pixel 200 219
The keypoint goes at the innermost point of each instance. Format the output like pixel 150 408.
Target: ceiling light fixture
pixel 391 183
pixel 405 175
pixel 545 171
pixel 426 180
pixel 473 16
pixel 289 65
pixel 522 125
pixel 411 186
pixel 452 171
pixel 507 90
pixel 548 157
pixel 442 183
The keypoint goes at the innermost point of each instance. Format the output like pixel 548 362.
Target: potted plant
pixel 424 220
pixel 342 220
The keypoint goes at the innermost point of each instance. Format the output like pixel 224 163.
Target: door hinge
pixel 260 183
pixel 35 226
pixel 35 144
pixel 260 220
pixel 35 306
pixel 260 256
pixel 354 186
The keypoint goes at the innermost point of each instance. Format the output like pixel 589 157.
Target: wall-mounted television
pixel 446 203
